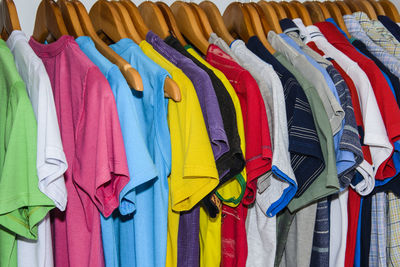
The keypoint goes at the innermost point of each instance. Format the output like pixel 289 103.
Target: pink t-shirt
pixel 91 136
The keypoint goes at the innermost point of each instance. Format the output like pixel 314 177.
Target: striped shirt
pixel 304 146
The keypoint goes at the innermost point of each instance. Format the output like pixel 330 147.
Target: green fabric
pixel 22 205
pixel 327 182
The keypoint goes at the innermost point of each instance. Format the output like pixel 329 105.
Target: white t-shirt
pixel 274 100
pixel 375 132
pixel 51 162
pixel 338 229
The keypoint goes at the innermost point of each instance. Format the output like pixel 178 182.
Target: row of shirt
pixel 263 152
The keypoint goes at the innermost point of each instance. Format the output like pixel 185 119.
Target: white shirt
pixel 338 229
pixel 375 132
pixel 51 162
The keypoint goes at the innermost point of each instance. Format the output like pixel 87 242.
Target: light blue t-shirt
pixel 118 233
pixel 344 158
pixel 149 224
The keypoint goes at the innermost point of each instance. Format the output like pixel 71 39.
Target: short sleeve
pixel 22 205
pixel 100 168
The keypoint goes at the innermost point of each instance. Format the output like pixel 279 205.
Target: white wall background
pixel 27 9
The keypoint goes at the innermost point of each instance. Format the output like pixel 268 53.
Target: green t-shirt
pixel 22 205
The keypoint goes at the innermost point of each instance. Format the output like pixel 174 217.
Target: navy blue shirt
pixel 305 149
pixel 391 26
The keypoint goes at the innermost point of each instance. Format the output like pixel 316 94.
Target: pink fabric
pixel 93 144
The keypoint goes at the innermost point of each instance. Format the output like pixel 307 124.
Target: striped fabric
pixel 377 251
pixel 357 32
pixel 393 231
pixel 320 248
pixel 350 140
pixel 378 33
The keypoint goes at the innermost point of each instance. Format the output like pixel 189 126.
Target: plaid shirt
pixel 393 231
pixel 378 33
pixel 356 31
pixel 377 250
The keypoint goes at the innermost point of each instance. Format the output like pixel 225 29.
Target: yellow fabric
pixel 193 171
pixel 232 189
pixel 210 229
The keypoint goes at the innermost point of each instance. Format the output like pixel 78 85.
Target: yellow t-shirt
pixel 193 171
pixel 232 191
pixel 210 228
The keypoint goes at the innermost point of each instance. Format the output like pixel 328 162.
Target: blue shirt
pixel 145 234
pixel 141 167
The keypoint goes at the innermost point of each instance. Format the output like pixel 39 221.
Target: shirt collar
pixel 353 26
pixel 315 33
pixel 288 25
pixel 305 37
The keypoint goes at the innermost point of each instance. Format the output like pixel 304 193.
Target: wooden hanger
pixel 353 5
pixel 216 21
pixel 127 22
pixel 131 75
pixel 171 22
pixel 377 7
pixel 106 20
pixel 343 7
pixel 237 21
pixel 70 18
pixel 302 11
pixel 154 19
pixel 315 12
pixel 279 10
pixel 291 11
pixel 188 25
pixel 136 18
pixel 171 89
pixel 9 21
pixel 324 10
pixel 257 27
pixel 337 16
pixel 390 10
pixel 268 15
pixel 49 23
pixel 367 8
pixel 202 19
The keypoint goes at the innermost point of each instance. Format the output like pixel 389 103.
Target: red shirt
pixel 387 104
pixel 234 242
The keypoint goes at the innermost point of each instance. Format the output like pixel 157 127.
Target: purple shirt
pixel 188 235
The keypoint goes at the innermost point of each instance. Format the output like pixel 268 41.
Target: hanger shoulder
pixel 49 21
pixel 172 90
pixel 131 75
pixel 267 13
pixel 171 22
pixel 390 10
pixel 352 5
pixel 343 7
pixel 127 22
pixel 289 10
pixel 279 10
pixel 367 8
pixel 257 26
pixel 377 7
pixel 10 17
pixel 237 20
pixel 324 10
pixel 202 19
pixel 136 18
pixel 216 21
pixel 303 12
pixel 337 16
pixel 188 25
pixel 154 18
pixel 105 19
pixel 70 18
pixel 315 11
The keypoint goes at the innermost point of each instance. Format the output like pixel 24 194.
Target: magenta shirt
pixel 92 140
